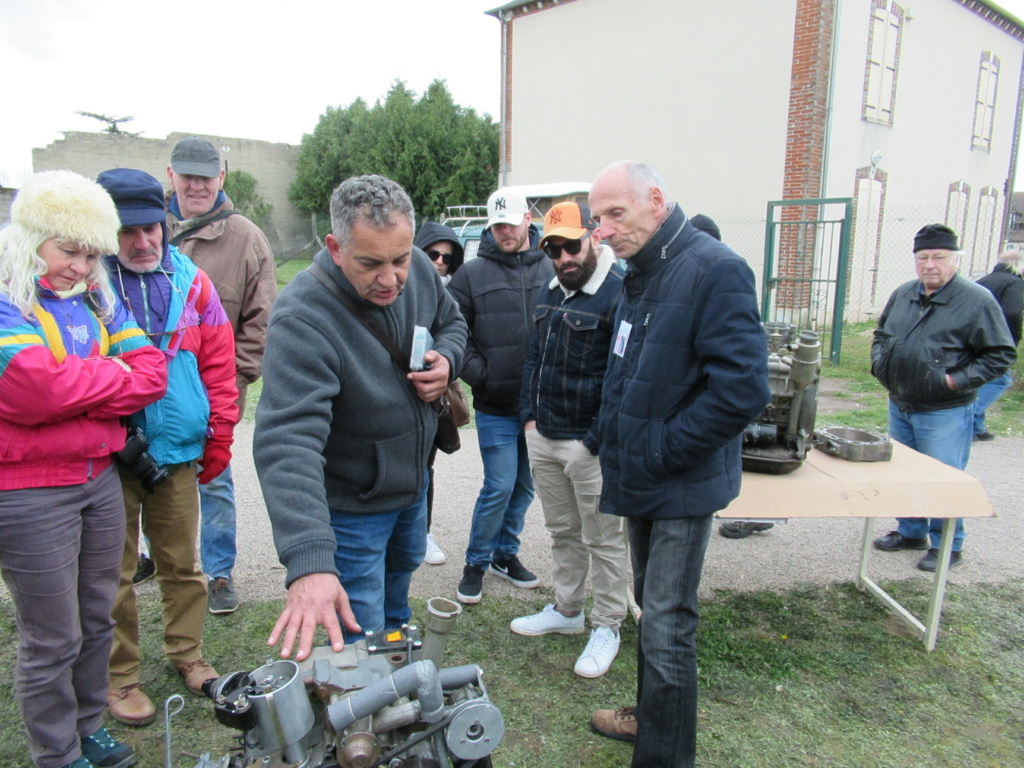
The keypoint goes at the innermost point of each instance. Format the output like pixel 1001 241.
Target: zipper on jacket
pixel 145 303
pixel 522 284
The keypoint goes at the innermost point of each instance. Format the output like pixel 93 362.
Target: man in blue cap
pixel 177 306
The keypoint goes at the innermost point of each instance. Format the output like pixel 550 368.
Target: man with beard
pixel 175 303
pixel 497 293
pixel 561 394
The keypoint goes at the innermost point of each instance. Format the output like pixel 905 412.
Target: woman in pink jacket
pixel 72 364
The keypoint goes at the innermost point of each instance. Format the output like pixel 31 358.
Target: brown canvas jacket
pixel 235 253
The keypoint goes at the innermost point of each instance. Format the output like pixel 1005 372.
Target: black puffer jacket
pixel 958 330
pixel 497 293
pixel 1008 288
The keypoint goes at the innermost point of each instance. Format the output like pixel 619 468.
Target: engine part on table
pixel 442 614
pixel 853 444
pixel 379 702
pixel 778 440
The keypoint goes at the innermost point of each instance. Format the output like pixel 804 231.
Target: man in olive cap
pixel 939 338
pixel 234 252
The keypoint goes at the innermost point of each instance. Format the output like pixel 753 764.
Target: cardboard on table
pixel 909 485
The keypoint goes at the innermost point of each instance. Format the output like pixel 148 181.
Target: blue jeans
pixel 987 395
pixel 944 435
pixel 217 549
pixel 376 557
pixel 672 552
pixel 507 491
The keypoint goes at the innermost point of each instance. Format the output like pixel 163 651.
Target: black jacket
pixel 688 371
pixel 497 293
pixel 1008 288
pixel 957 330
pixel 569 354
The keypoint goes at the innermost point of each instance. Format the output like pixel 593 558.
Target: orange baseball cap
pixel 569 220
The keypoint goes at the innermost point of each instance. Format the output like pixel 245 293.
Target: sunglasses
pixel 446 258
pixel 572 247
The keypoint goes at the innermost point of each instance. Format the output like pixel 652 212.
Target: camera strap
pixel 363 316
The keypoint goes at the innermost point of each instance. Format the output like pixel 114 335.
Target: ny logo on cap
pixel 499 204
pixel 556 216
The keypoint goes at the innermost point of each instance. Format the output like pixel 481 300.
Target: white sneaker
pixel 435 555
pixel 547 621
pixel 599 653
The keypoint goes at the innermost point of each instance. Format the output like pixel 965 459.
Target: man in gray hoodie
pixel 343 431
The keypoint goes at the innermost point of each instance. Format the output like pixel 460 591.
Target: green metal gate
pixel 806 263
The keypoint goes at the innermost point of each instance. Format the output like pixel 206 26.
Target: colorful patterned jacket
pixel 196 338
pixel 61 395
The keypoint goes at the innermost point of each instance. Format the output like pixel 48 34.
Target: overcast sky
pixel 232 67
pixel 227 67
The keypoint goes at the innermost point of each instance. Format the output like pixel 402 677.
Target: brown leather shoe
pixel 130 706
pixel 196 673
pixel 615 724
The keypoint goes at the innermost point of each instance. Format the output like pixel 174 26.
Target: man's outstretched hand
pixel 316 599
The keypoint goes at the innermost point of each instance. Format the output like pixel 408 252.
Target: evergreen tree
pixel 441 153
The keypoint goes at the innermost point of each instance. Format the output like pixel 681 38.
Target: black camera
pixel 136 459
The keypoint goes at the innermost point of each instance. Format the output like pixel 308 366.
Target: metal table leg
pixel 929 631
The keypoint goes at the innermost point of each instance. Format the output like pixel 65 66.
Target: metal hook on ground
pixel 168 714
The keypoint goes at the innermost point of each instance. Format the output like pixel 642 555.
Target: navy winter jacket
pixel 688 371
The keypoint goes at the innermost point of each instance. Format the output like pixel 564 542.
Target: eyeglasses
pixel 572 247
pixel 445 257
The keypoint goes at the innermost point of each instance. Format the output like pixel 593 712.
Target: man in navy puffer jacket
pixel 688 371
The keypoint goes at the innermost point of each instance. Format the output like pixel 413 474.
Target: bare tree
pixel 111 122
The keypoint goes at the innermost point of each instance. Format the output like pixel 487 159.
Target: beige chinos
pixel 567 478
pixel 170 520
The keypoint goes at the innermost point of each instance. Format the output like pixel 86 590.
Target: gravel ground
pixel 803 551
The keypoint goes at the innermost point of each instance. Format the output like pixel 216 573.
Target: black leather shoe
pixel 984 437
pixel 894 541
pixel 931 561
pixel 740 530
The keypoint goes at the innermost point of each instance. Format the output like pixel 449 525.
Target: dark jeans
pixel 376 557
pixel 60 552
pixel 672 551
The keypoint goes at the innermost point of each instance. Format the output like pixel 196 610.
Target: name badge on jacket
pixel 622 338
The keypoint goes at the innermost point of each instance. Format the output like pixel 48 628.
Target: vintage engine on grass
pixel 382 701
pixel 777 441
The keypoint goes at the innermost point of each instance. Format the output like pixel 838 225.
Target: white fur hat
pixel 64 205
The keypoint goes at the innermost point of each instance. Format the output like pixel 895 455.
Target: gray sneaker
pixel 221 597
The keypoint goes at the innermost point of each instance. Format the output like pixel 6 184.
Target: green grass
pixel 289 269
pixel 851 381
pixel 816 676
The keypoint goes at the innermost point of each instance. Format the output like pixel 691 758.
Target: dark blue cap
pixel 138 196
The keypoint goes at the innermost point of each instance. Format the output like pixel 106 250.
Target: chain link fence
pixel 881 258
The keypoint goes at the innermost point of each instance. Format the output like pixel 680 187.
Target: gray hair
pixel 642 177
pixel 375 200
pixel 1012 260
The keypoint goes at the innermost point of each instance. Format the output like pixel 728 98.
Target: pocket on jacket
pixel 398 466
pixel 578 333
pixel 935 363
